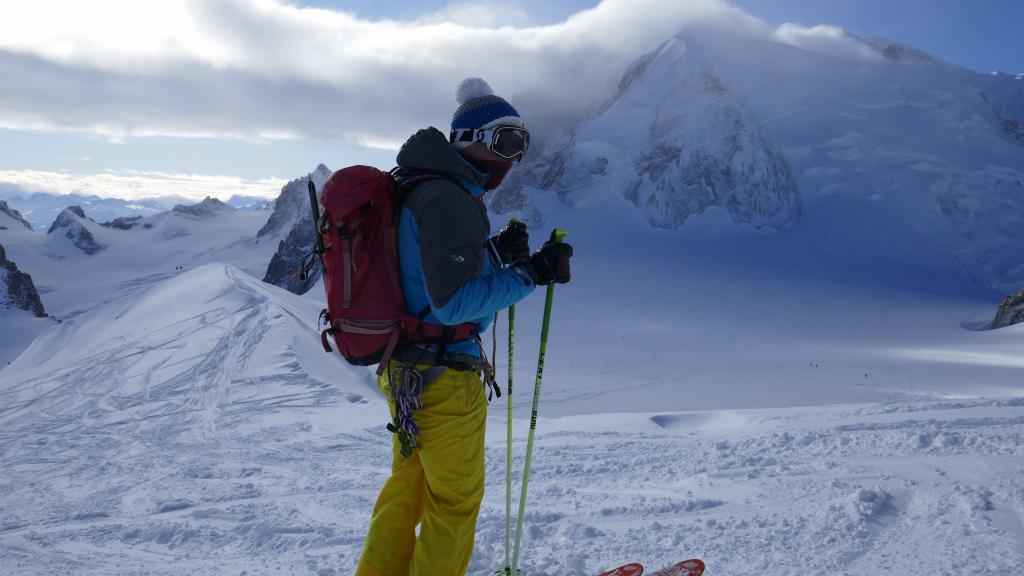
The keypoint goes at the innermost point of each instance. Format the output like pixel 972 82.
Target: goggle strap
pixel 462 135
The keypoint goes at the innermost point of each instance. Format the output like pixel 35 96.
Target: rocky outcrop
pixel 1010 312
pixel 208 208
pixel 289 257
pixel 292 204
pixel 71 223
pixel 14 214
pixel 125 223
pixel 292 214
pixel 17 289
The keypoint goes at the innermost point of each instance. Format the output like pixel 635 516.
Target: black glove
pixel 550 264
pixel 512 243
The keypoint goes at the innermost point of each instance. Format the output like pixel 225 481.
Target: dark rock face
pixel 123 223
pixel 205 209
pixel 72 222
pixel 292 213
pixel 1010 312
pixel 14 214
pixel 289 256
pixel 17 289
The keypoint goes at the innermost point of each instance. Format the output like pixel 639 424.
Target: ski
pixel 693 567
pixel 633 569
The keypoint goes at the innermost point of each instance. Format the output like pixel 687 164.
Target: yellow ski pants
pixel 440 487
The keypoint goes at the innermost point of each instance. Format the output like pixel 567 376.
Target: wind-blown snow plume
pixel 228 67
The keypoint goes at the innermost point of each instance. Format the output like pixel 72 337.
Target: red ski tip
pixel 633 569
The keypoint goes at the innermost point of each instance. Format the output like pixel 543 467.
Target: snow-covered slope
pixel 198 428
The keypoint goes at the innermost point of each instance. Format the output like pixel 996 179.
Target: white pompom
pixel 471 88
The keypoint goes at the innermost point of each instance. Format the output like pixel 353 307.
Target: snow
pixel 20 328
pixel 196 426
pixel 157 248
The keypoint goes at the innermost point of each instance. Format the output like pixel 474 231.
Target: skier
pixel 452 270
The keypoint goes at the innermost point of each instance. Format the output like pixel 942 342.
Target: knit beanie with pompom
pixel 480 108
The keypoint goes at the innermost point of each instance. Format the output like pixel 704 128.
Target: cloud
pixel 479 14
pixel 131 185
pixel 828 40
pixel 265 69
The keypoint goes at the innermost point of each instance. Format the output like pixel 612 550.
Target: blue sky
pixel 252 89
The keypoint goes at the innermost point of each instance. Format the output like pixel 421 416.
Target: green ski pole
pixel 506 570
pixel 558 235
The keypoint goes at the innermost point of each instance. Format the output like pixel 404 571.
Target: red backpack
pixel 358 250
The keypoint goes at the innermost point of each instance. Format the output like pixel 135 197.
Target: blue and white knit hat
pixel 480 108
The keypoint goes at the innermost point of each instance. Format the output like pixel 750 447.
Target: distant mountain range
pixel 41 208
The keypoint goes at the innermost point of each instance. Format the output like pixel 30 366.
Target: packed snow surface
pixel 196 427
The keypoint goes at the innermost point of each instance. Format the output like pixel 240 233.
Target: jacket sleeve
pixel 453 232
pixel 483 296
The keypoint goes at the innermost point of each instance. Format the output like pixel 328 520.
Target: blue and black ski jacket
pixel 443 236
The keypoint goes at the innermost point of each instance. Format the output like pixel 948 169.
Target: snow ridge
pixel 5 209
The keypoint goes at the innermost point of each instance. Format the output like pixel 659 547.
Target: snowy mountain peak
pixel 293 220
pixel 207 208
pixel 293 202
pixel 73 224
pixel 67 217
pixel 675 141
pixel 11 212
pixel 17 289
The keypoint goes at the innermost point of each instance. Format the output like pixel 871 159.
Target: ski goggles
pixel 506 141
